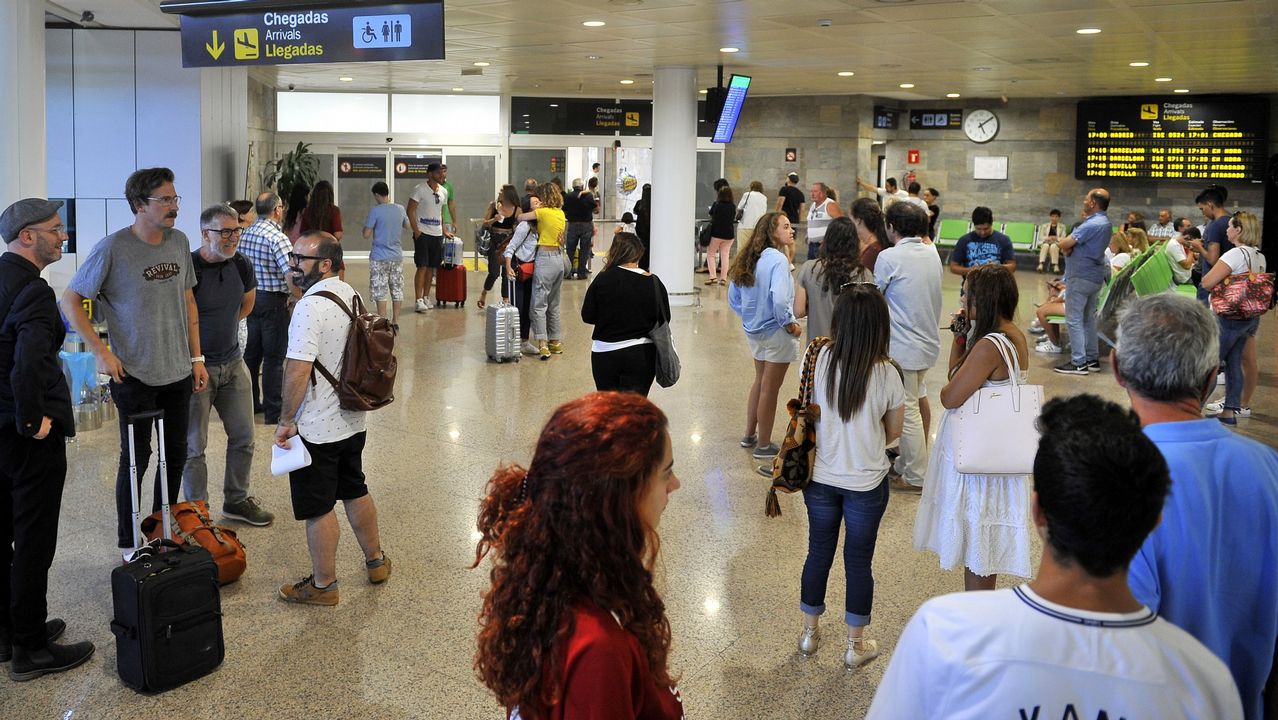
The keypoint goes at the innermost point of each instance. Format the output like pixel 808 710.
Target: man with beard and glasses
pixel 333 436
pixel 35 420
pixel 142 277
pixel 225 289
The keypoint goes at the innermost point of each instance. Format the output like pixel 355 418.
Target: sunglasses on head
pixel 847 285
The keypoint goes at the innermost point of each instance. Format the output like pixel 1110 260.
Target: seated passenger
pixel 1182 256
pixel 1073 642
pixel 1119 252
pixel 1050 234
pixel 1138 239
pixel 572 626
pixel 1054 305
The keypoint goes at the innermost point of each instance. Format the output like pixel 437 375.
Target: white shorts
pixel 776 347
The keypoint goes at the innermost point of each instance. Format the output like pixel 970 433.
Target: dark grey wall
pixel 834 136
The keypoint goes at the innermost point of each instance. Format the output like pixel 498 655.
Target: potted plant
pixel 297 166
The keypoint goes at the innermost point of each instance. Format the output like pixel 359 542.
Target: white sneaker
pixel 529 349
pixel 422 305
pixel 1049 348
pixel 1218 407
pixel 1220 378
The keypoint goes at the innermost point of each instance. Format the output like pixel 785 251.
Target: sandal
pixel 480 302
pixel 711 281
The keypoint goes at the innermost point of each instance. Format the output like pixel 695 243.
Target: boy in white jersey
pixel 1074 642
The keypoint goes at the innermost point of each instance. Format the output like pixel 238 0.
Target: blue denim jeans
pixel 860 512
pixel 1233 338
pixel 1080 319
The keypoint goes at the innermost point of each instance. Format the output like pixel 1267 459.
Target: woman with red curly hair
pixel 572 626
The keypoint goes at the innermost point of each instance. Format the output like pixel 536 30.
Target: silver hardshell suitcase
pixel 501 329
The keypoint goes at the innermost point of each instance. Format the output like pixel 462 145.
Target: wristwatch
pixel 197 358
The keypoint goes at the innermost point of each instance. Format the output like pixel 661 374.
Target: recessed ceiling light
pixel 982 68
pixel 554 104
pixel 1162 79
pixel 481 63
pixel 627 82
pixel 1088 31
pixel 729 49
pixel 525 114
pixel 458 89
pixel 346 79
pixel 594 23
pixel 952 95
pixel 906 86
pixel 1138 64
pixel 702 92
pixel 846 73
pixel 1180 90
pixel 592 57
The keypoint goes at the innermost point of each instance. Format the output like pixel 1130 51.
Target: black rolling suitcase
pixel 168 606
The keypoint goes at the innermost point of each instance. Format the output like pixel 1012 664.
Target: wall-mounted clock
pixel 980 126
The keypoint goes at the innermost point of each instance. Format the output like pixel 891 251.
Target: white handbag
pixel 996 429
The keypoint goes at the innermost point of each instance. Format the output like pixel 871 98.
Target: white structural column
pixel 674 178
pixel 22 144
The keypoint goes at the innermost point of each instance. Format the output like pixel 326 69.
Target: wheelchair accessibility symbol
pixel 371 32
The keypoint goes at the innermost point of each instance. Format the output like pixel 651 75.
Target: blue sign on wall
pixel 403 31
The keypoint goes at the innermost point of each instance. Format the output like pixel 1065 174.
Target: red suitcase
pixel 450 285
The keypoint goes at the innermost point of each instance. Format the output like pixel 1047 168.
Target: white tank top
pixel 818 220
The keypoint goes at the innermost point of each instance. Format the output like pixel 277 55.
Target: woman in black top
pixel 723 214
pixel 500 221
pixel 643 226
pixel 624 303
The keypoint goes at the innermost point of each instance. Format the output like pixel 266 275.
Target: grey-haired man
pixel 225 288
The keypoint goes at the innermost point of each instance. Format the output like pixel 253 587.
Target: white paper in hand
pixel 294 458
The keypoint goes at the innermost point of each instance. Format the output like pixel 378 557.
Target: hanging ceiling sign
pixel 367 33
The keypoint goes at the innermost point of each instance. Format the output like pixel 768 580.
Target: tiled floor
pixel 404 650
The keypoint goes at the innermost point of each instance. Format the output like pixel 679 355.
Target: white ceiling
pixel 979 48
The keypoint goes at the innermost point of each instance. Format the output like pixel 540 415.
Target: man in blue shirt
pixel 1211 566
pixel 1214 243
pixel 1085 274
pixel 983 246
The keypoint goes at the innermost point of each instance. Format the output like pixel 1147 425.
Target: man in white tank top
pixel 822 210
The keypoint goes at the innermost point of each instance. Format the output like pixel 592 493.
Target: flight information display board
pixel 1173 138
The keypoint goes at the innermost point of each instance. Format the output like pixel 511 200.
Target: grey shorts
pixel 386 277
pixel 778 346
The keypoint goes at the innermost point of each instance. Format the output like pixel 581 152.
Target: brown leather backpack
pixel 367 377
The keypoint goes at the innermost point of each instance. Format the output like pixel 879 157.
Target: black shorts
pixel 428 251
pixel 335 473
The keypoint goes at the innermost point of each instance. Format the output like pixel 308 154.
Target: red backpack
pixel 367 377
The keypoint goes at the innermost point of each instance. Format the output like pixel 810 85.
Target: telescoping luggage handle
pixel 161 477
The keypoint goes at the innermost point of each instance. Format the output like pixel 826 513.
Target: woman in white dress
pixel 981 522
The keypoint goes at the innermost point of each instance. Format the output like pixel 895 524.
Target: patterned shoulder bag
pixel 792 467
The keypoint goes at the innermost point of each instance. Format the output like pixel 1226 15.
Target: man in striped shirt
pixel 267 247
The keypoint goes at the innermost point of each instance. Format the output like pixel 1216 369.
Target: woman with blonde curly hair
pixel 572 625
pixel 761 291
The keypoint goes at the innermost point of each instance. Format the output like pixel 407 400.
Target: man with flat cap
pixel 35 420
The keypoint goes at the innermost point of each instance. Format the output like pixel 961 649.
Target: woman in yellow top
pixel 548 276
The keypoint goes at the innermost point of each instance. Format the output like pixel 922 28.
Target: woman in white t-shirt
pixel 1241 374
pixel 753 205
pixel 1119 252
pixel 862 399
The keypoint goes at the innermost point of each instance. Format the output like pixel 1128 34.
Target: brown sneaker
pixel 379 569
pixel 305 593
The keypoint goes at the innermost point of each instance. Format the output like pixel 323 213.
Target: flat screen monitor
pixel 738 86
pixel 1219 138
